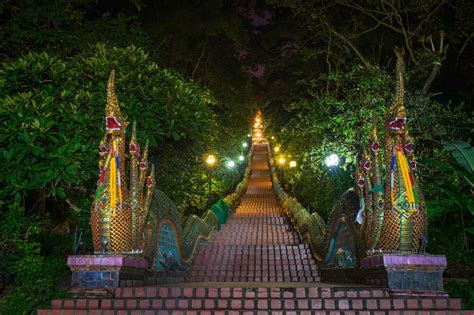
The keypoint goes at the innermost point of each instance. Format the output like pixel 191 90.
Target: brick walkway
pixel 257 244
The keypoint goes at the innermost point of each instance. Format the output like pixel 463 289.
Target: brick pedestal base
pixel 106 271
pixel 406 275
pixel 410 275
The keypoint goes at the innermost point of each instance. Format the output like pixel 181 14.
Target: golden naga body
pixel 118 214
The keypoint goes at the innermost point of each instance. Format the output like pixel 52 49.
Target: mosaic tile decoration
pixel 167 254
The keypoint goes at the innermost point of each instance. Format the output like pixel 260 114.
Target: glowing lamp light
pixel 244 144
pixel 277 149
pixel 248 135
pixel 257 120
pixel 332 160
pixel 211 160
pixel 281 161
pixel 256 125
pixel 241 158
pixel 258 135
pixel 230 164
pixel 273 138
pixel 293 164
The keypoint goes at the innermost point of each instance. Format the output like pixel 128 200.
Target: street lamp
pixel 292 165
pixel 332 161
pixel 244 144
pixel 230 165
pixel 281 173
pixel 211 160
pixel 241 158
pixel 277 149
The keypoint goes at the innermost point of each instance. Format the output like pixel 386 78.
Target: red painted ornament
pixel 367 165
pixel 375 146
pixel 361 182
pixel 409 147
pixel 112 123
pixel 134 148
pixel 103 150
pixel 398 123
pixel 150 182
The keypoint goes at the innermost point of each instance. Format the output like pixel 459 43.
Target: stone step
pixel 260 299
pixel 256 231
pixel 254 263
pixel 249 312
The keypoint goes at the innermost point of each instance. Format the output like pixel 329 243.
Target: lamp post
pixel 211 160
pixel 244 146
pixel 281 164
pixel 230 165
pixel 292 166
pixel 332 161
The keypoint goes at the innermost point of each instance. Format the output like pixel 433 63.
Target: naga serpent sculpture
pixel 140 220
pixel 382 214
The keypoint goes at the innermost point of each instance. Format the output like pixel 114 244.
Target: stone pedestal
pixel 409 275
pixel 106 271
pixel 406 275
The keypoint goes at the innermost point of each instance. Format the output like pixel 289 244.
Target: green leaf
pixel 463 153
pixel 470 230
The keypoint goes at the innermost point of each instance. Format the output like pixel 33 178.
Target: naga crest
pixel 392 212
pixel 118 211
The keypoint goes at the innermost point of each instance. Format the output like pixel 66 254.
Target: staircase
pixel 254 265
pixel 257 244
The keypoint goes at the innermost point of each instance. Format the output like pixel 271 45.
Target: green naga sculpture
pixel 376 232
pixel 138 219
pixel 392 213
pixel 384 213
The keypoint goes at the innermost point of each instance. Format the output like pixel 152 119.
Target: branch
pixel 464 46
pixel 434 71
pixel 198 62
pixel 364 61
pixel 329 65
pixel 366 31
pixel 406 35
pixel 367 12
pixel 428 17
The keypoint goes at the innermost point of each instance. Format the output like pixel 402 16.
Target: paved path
pixel 258 243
